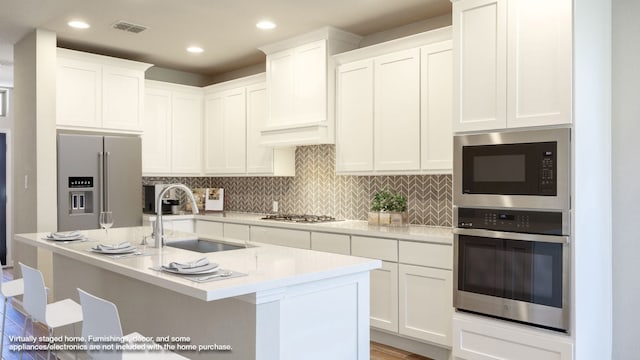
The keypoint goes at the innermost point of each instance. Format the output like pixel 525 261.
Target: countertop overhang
pixel 268 267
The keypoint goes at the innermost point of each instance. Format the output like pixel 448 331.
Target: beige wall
pixel 35 137
pixel 625 174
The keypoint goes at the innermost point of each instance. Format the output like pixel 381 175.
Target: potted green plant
pixel 399 215
pixel 388 208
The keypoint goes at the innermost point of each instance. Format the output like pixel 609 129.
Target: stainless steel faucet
pixel 159 231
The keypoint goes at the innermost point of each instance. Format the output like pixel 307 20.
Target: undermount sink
pixel 202 246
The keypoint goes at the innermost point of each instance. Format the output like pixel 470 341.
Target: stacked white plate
pixel 196 267
pixel 122 248
pixel 65 236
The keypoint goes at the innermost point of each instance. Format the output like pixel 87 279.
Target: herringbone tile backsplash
pixel 316 189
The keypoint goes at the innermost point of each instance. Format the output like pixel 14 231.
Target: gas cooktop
pixel 300 218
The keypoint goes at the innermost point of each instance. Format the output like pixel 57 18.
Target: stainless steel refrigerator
pixel 99 173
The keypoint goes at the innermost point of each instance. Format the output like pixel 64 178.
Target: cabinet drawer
pixel 375 248
pixel 333 243
pixel 208 228
pixel 178 225
pixel 423 254
pixel 283 237
pixel 237 232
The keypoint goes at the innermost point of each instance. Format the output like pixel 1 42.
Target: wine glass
pixel 106 221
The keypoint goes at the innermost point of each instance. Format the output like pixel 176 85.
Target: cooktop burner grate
pixel 300 218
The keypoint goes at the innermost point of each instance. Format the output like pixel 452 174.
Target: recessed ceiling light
pixel 265 25
pixel 78 24
pixel 195 49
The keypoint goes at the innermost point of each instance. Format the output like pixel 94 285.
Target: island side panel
pixel 328 319
pixel 323 319
pixel 155 311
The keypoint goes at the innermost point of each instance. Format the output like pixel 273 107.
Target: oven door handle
pixel 558 239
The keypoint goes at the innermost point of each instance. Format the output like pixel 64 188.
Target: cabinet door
pixel 280 80
pixel 436 107
pixel 481 338
pixel 480 84
pixel 78 93
pixel 122 91
pixel 178 225
pixel 283 237
pixel 354 117
pixel 156 138
pixel 237 232
pixel 397 111
pixel 225 133
pixel 259 158
pixel 539 46
pixel 210 228
pixel 333 243
pixel 384 297
pixel 186 129
pixel 425 296
pixel 310 82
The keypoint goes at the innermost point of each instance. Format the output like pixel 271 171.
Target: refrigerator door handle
pixel 105 180
pixel 101 179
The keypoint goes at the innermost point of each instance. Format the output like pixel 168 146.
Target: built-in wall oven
pixel 512 236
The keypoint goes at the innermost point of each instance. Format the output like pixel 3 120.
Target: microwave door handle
pixel 512 236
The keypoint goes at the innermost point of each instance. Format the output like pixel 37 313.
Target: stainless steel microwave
pixel 516 169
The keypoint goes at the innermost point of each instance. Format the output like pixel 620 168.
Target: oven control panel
pixel 533 222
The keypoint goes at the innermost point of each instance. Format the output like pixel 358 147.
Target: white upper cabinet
pixel 171 142
pixel 300 79
pixel 225 132
pixel 393 106
pixel 235 112
pixel 78 93
pixel 539 62
pixel 354 117
pixel 186 128
pixel 436 103
pixel 156 139
pixel 397 111
pixel 97 92
pixel 512 63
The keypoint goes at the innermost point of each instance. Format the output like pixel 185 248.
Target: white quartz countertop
pixel 268 267
pixel 420 233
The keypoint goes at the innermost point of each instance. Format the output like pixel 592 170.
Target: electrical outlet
pixel 274 206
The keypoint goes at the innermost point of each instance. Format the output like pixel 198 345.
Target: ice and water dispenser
pixel 81 189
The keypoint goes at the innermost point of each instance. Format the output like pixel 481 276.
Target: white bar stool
pixel 9 289
pixel 54 315
pixel 101 320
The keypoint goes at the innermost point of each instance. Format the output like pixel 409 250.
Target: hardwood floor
pixel 384 352
pixel 15 322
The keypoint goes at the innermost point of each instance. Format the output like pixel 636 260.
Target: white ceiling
pixel 224 28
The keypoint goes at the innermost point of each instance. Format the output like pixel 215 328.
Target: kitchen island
pixel 291 304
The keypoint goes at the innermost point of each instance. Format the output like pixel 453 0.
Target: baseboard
pixel 416 347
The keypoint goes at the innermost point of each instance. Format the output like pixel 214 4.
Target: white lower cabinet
pixel 481 338
pixel 384 297
pixel 178 225
pixel 283 237
pixel 237 232
pixel 208 228
pixel 333 243
pixel 384 281
pixel 425 296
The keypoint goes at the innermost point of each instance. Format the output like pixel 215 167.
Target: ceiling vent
pixel 127 26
